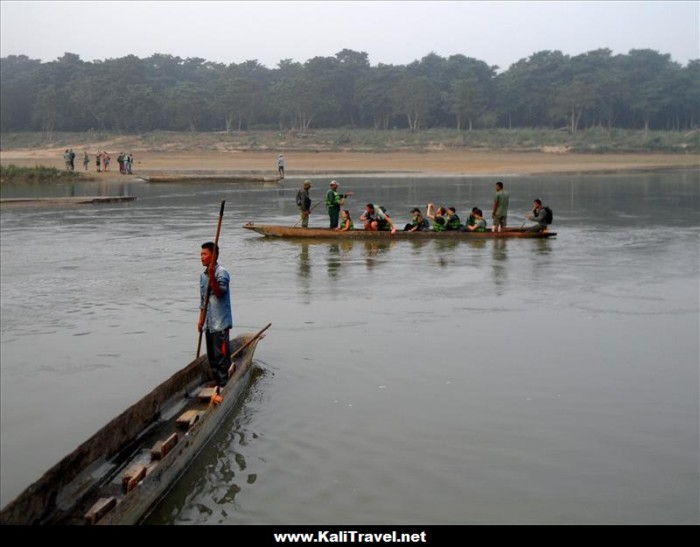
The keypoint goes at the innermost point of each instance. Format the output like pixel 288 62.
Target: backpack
pixel 548 215
pixel 300 199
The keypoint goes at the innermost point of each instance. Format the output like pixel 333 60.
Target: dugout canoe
pixel 71 200
pixel 326 233
pixel 212 178
pixel 120 473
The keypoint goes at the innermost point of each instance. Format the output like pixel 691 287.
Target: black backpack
pixel 300 199
pixel 548 215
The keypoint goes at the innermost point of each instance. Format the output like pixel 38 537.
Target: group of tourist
pixel 440 219
pixel 102 161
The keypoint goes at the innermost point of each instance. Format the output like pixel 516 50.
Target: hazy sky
pixel 398 32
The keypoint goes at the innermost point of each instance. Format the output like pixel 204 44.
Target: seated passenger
pixel 377 219
pixel 418 223
pixel 471 219
pixel 345 221
pixel 438 217
pixel 453 222
pixel 539 216
pixel 479 224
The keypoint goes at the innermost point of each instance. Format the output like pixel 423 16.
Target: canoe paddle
pixel 232 368
pixel 215 257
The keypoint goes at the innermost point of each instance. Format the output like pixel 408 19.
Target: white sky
pixel 397 32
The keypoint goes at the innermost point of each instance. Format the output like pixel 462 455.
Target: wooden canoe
pixel 118 474
pixel 211 178
pixel 327 233
pixel 81 200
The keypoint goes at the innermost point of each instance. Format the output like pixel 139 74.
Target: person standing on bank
pixel 218 321
pixel 280 165
pixel 333 202
pixel 500 208
pixel 304 204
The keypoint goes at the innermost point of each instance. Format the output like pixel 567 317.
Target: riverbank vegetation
pixel 595 93
pixel 594 140
pixel 14 174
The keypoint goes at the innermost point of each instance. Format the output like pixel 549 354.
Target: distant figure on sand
pixel 66 159
pixel 86 160
pixel 280 165
pixel 500 208
pixel 105 161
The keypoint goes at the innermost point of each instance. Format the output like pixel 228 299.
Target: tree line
pixel 640 89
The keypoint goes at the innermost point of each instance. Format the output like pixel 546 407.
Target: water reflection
pixel 304 272
pixel 333 261
pixel 374 249
pixel 500 266
pixel 445 249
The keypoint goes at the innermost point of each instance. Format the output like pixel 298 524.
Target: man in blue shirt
pixel 215 280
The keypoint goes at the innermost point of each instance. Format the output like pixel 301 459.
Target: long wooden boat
pixel 326 233
pixel 118 474
pixel 211 178
pixel 71 200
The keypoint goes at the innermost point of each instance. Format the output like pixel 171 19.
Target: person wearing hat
pixel 304 203
pixel 333 202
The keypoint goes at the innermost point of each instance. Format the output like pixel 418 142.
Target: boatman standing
pixel 500 208
pixel 333 202
pixel 304 204
pixel 214 281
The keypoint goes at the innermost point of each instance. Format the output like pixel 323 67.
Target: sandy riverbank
pixel 308 164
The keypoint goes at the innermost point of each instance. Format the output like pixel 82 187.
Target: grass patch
pixel 13 174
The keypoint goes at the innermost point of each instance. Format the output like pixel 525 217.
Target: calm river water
pixel 522 381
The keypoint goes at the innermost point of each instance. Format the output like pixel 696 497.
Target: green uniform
pixel 501 213
pixel 453 223
pixel 480 225
pixel 333 205
pixel 439 224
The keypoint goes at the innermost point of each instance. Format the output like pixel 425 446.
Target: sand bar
pixel 405 163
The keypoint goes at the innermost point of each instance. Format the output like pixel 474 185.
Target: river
pixel 434 382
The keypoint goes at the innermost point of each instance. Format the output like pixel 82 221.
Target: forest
pixel 643 89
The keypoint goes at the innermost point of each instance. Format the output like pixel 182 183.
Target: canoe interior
pixel 93 470
pixel 327 233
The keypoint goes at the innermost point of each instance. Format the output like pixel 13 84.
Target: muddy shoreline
pixel 301 165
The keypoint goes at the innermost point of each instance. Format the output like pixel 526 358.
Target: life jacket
pixel 439 224
pixel 453 223
pixel 332 199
